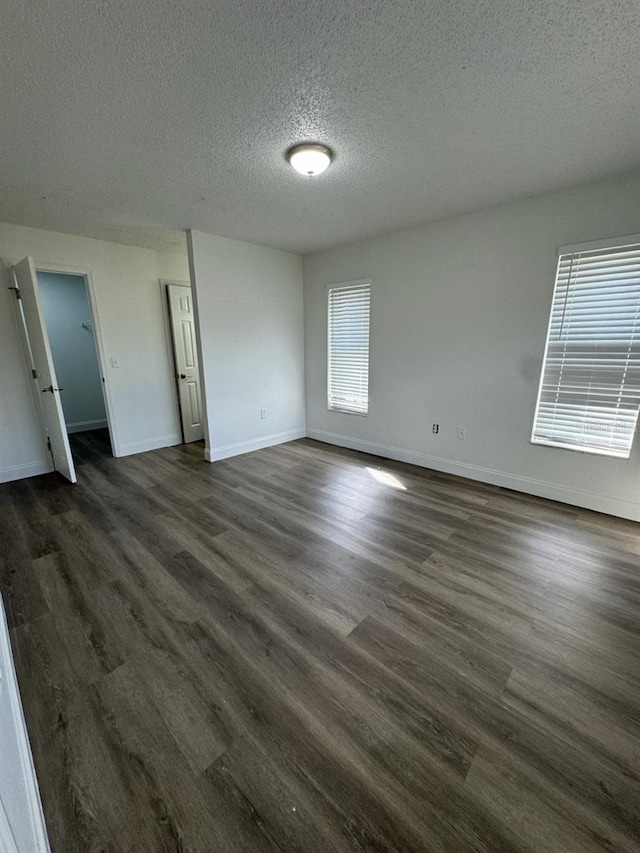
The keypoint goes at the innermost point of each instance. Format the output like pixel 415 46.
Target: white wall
pixel 458 325
pixel 249 304
pixel 128 299
pixel 66 307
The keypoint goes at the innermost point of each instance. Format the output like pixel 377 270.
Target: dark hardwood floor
pixel 309 649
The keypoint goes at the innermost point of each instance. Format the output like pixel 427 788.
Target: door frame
pixel 68 269
pixel 6 267
pixel 171 356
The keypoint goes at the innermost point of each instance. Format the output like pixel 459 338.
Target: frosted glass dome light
pixel 310 158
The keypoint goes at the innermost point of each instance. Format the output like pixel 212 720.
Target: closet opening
pixel 70 328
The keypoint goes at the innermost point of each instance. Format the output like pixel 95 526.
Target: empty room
pixel 319 395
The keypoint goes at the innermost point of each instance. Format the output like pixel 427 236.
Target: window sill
pixel 591 451
pixel 347 412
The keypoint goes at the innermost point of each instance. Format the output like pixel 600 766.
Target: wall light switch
pixel 263 414
pixel 462 433
pixel 115 362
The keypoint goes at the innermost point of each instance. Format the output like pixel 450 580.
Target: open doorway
pixel 69 322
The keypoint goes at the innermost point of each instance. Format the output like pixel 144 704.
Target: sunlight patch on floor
pixel 386 478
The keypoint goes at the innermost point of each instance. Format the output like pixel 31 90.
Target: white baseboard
pixel 85 426
pixel 19 472
pixel 540 488
pixel 22 826
pixel 131 447
pixel 215 454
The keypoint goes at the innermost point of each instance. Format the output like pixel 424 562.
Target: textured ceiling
pixel 129 120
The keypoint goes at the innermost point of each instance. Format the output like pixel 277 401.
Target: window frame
pixel 346 285
pixel 574 249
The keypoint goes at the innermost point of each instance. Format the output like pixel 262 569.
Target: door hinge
pixel 16 291
pixel 33 373
pixel 49 445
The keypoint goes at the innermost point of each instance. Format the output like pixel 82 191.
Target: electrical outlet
pixel 263 414
pixel 436 429
pixel 462 433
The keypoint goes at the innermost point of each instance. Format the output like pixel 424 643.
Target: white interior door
pixel 183 330
pixel 46 383
pixel 7 838
pixel 22 827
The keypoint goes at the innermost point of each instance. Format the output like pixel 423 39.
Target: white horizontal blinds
pixel 348 348
pixel 590 386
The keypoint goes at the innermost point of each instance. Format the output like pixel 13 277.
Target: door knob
pixel 51 389
pixel 183 376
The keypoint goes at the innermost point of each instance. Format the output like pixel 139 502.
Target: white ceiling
pixel 129 120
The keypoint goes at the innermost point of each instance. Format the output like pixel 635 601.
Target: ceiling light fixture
pixel 310 158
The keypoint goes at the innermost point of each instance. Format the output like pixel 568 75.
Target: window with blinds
pixel 589 391
pixel 348 347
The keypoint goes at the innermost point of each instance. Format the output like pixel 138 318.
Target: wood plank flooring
pixel 309 649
